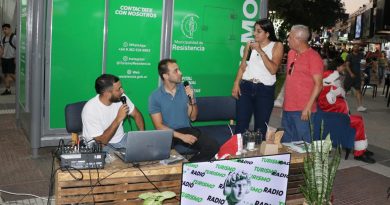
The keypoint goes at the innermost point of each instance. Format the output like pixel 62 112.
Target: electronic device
pixel 146 146
pixel 251 180
pixel 81 157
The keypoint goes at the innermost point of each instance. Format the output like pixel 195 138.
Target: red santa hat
pixel 231 147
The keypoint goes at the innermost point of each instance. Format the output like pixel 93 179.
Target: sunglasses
pixel 290 71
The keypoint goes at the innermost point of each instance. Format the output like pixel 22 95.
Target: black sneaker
pixel 368 153
pixel 6 92
pixel 365 159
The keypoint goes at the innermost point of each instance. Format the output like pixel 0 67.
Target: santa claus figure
pixel 332 99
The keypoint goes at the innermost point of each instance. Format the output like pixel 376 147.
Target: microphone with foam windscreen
pixel 186 83
pixel 123 100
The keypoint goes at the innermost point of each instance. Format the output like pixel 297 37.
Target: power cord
pixel 25 194
pixel 98 182
pixel 136 165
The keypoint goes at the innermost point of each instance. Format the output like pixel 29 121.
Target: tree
pixel 312 13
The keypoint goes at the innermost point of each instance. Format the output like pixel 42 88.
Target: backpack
pixel 10 41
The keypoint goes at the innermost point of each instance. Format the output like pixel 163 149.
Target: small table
pixel 117 183
pixel 120 183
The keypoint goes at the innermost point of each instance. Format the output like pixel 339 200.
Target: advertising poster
pixel 22 53
pixel 133 48
pixel 208 40
pixel 251 181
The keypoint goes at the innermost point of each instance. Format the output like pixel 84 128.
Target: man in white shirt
pixel 103 115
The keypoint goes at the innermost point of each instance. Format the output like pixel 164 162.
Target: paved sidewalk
pixel 356 182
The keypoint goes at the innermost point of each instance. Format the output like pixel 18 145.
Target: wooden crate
pixel 117 184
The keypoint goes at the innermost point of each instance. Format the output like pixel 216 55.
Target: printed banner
pixel 133 50
pixel 252 181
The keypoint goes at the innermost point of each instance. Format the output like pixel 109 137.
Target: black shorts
pixel 8 65
pixel 355 82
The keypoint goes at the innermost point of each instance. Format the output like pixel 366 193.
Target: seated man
pixel 173 105
pixel 103 115
pixel 332 99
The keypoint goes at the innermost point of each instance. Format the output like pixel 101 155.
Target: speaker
pixel 382 23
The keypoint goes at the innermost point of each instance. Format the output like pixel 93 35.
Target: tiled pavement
pixel 356 182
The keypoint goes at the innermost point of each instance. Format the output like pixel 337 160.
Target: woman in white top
pixel 254 86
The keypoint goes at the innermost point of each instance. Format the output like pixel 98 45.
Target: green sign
pixel 208 40
pixel 22 53
pixel 76 54
pixel 133 48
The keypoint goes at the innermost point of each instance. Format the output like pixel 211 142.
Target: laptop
pixel 149 145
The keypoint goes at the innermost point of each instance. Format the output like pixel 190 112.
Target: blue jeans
pixel 296 129
pixel 111 147
pixel 256 99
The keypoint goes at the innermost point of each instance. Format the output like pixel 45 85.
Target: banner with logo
pixel 257 180
pixel 208 40
pixel 133 48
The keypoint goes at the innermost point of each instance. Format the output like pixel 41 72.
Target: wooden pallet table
pixel 120 183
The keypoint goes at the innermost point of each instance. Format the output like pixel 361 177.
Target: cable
pixel 25 194
pixel 71 174
pixel 136 165
pixel 90 183
pixel 98 182
pixel 129 120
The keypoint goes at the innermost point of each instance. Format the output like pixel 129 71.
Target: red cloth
pixel 300 84
pixel 231 147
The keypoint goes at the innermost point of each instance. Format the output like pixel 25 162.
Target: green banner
pixel 208 38
pixel 133 48
pixel 76 54
pixel 22 53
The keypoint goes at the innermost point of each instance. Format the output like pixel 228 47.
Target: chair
pixel 386 85
pixel 367 84
pixel 73 120
pixel 338 125
pixel 212 109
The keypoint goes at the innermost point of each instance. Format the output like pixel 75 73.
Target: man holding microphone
pixel 173 106
pixel 103 115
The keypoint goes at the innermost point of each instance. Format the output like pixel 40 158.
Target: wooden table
pixel 119 183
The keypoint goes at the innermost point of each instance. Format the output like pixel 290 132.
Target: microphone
pixel 186 83
pixel 248 57
pixel 123 100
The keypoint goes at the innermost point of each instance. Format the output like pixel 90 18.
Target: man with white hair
pixel 302 87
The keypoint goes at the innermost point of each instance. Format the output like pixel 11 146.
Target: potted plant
pixel 320 166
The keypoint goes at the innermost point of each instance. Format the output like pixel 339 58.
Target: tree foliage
pixel 312 13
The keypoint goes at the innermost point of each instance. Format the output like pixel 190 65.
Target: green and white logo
pixel 189 25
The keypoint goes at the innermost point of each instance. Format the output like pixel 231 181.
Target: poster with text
pixel 208 41
pixel 250 181
pixel 133 48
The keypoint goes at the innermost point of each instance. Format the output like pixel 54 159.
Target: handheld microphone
pixel 186 83
pixel 248 57
pixel 123 100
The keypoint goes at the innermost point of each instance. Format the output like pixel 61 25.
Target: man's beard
pixel 113 99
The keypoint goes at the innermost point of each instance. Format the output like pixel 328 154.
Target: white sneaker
pixel 361 109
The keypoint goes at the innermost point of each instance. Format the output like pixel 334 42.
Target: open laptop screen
pixel 254 180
